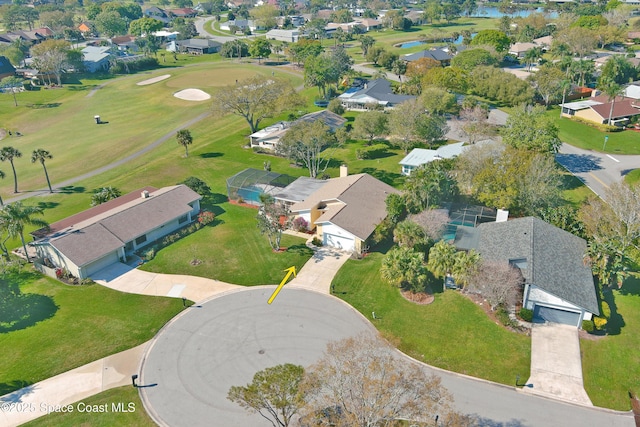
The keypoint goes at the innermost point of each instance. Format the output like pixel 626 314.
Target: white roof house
pixel 420 156
pixel 290 36
pixel 632 91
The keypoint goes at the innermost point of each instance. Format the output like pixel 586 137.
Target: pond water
pixel 415 43
pixel 493 12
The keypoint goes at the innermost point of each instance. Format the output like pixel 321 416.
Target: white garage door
pixel 339 242
pixel 101 263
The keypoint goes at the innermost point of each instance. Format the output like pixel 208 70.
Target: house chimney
pixel 344 171
pixel 144 194
pixel 502 215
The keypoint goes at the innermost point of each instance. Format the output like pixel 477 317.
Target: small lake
pixel 493 12
pixel 415 43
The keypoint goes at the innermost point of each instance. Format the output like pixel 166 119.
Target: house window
pixel 183 219
pixel 140 240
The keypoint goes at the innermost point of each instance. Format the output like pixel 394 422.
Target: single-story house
pixel 86 28
pixel 596 109
pixel 349 27
pixel 198 46
pixel 421 156
pixel 370 24
pixel 289 36
pixel 125 43
pixel 270 136
pixel 241 24
pixel 157 13
pixel 6 69
pixel 558 285
pixel 96 58
pixel 345 211
pixel 544 42
pixel 437 54
pixel 184 12
pixel 519 49
pixel 416 17
pixel 31 37
pixel 374 92
pixel 96 238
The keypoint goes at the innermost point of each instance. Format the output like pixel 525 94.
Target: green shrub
pixel 316 242
pixel 588 325
pixel 599 126
pixel 526 314
pixel 149 254
pixel 605 310
pixel 335 106
pixel 503 316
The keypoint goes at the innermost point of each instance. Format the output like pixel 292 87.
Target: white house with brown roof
pixel 346 210
pixel 91 240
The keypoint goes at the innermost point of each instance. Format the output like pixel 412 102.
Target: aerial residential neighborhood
pixel 319 213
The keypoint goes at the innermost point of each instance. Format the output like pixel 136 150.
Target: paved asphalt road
pixel 597 170
pixel 199 356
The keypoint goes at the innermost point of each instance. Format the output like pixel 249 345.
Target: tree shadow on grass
pixel 217 198
pixel 47 205
pixel 631 286
pixel 616 321
pixel 20 311
pixel 11 386
pixel 387 177
pixel 300 249
pixel 70 189
pixel 43 106
pixel 211 155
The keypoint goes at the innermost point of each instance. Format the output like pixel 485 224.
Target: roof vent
pixel 144 194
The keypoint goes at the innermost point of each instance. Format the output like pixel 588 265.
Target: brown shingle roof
pixel 622 108
pixel 362 203
pixel 97 232
pixel 91 213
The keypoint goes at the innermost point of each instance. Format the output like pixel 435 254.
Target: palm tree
pixel 10 153
pixel 184 138
pixel 566 86
pixel 2 175
pixel 531 56
pixel 15 216
pixel 441 258
pixel 42 155
pixel 612 89
pixel 464 266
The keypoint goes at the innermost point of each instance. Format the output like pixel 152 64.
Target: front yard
pixel 233 251
pixel 75 325
pixel 451 333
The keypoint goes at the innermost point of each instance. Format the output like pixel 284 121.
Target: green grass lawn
pixel 233 251
pixel 60 327
pixel 611 364
pixel 633 177
pixel 589 138
pixel 61 120
pixel 451 333
pixel 127 395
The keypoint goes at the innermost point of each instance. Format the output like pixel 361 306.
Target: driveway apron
pixel 556 364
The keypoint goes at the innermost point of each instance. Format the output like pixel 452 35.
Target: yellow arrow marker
pixel 290 271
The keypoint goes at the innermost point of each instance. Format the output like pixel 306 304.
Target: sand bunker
pixel 154 80
pixel 192 95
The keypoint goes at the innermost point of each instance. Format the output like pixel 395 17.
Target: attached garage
pixel 340 242
pixel 97 265
pixel 543 314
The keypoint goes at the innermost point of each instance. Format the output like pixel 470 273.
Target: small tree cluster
pixel 273 219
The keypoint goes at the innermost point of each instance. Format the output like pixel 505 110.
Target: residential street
pixel 597 170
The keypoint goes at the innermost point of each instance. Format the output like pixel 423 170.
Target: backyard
pixel 45 323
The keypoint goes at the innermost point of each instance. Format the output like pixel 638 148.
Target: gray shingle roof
pixel 435 54
pixel 379 89
pixel 88 244
pixel 554 257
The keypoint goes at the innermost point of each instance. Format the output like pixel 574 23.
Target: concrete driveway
pixel 318 272
pixel 123 278
pixel 556 363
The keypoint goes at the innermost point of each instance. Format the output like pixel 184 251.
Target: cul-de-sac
pixel 299 213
